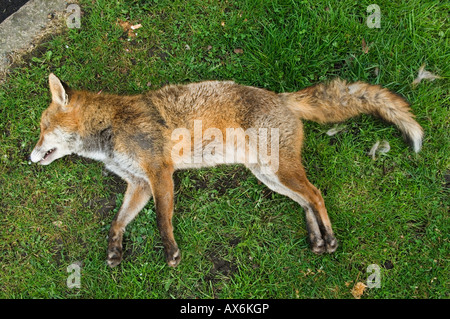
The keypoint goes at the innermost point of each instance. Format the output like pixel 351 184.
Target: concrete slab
pixel 20 31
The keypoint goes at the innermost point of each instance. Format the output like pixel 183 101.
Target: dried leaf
pixel 424 74
pixel 238 51
pixel 365 47
pixel 136 26
pixel 358 290
pixel 127 27
pixel 57 223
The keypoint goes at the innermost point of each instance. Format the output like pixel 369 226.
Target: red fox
pixel 144 138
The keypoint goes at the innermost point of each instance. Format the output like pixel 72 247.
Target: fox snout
pixel 34 156
pixel 51 146
pixel 42 156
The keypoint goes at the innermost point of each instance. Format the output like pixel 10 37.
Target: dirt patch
pixel 222 269
pixel 418 227
pixel 221 266
pixel 103 207
pixel 233 180
pixel 235 241
pixel 388 264
pixel 211 181
pixel 56 250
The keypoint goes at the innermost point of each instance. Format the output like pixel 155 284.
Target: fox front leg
pixel 136 197
pixel 163 194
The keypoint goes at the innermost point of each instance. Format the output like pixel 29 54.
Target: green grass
pixel 238 239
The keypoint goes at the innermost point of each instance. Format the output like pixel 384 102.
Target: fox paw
pixel 173 258
pixel 114 256
pixel 317 245
pixel 320 245
pixel 331 244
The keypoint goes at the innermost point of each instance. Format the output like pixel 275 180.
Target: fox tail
pixel 339 100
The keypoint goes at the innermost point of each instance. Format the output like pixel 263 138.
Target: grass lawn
pixel 238 239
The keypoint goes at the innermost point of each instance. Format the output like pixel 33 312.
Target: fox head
pixel 58 125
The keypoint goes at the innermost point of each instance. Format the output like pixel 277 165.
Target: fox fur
pixel 132 136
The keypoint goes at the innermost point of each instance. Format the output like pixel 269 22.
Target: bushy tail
pixel 338 100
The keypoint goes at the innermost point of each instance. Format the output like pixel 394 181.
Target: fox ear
pixel 59 92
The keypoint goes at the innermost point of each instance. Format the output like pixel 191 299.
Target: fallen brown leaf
pixel 365 46
pixel 136 26
pixel 127 27
pixel 238 51
pixel 358 290
pixel 58 223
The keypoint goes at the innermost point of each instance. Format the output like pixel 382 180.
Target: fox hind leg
pixel 303 191
pixel 290 180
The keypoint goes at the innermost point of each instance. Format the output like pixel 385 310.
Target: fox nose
pixel 29 157
pixel 34 156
